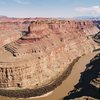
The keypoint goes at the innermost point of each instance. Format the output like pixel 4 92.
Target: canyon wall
pixel 9 32
pixel 39 57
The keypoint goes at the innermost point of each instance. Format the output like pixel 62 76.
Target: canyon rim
pixel 38 61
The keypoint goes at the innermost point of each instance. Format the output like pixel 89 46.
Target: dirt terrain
pixel 36 56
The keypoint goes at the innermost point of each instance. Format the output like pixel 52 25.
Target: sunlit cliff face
pixel 46 51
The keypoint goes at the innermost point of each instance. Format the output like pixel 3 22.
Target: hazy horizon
pixel 49 8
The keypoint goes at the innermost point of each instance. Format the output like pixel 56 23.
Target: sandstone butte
pixel 38 61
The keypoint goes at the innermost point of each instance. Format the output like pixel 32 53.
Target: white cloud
pixel 89 10
pixel 24 2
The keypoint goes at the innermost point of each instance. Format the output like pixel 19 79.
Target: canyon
pixel 38 54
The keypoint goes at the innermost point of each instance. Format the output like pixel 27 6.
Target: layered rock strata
pixel 43 54
pixel 9 32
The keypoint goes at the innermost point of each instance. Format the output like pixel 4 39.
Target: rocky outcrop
pixel 96 38
pixel 39 57
pixel 85 98
pixel 96 82
pixel 66 33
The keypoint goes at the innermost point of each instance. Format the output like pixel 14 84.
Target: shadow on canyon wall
pixel 84 87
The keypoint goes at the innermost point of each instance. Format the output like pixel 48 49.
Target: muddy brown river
pixel 68 84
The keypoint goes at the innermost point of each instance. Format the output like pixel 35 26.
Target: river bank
pixel 27 93
pixel 68 83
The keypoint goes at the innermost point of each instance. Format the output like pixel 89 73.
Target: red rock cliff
pixel 43 54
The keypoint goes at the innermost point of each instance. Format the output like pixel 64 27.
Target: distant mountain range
pixel 88 17
pixel 5 18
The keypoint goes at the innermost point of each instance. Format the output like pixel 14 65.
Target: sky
pixel 49 8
